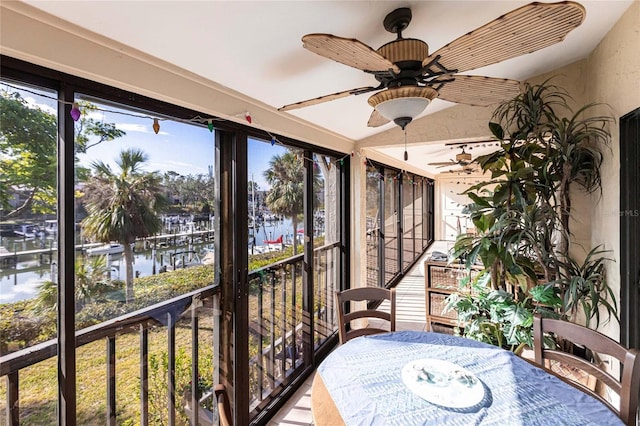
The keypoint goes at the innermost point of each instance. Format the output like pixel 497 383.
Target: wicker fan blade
pixel 523 30
pixel 475 90
pixel 327 98
pixel 348 51
pixel 443 164
pixel 466 169
pixel 376 119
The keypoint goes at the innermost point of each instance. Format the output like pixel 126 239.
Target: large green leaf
pixel 546 294
pixel 496 130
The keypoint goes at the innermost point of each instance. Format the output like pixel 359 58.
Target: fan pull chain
pixel 406 154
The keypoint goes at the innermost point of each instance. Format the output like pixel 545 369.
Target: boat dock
pixel 8 258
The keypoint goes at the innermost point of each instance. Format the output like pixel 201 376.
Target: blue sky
pixel 182 147
pixel 260 153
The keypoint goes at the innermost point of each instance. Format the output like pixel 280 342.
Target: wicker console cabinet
pixel 441 280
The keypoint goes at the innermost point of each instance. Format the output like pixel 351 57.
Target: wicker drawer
pixel 436 303
pixel 443 277
pixel 442 328
pixel 448 277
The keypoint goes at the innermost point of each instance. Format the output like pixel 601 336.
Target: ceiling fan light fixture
pixel 402 122
pixel 402 104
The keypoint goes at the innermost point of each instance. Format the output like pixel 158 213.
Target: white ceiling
pixel 255 47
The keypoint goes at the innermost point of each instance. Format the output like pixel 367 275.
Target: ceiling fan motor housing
pixel 406 53
pixel 463 157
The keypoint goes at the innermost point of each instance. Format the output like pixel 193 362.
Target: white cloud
pixel 95 115
pixel 130 127
pixel 33 103
pixel 99 115
pixel 177 166
pixel 139 128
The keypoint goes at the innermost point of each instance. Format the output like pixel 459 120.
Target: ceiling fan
pixel 462 159
pixel 410 78
pixel 469 169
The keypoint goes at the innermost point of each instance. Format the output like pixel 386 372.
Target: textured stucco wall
pixel 613 76
pixel 609 77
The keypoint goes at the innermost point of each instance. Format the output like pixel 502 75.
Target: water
pixel 271 230
pixel 21 281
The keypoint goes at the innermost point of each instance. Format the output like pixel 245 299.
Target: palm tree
pixel 123 205
pixel 286 196
pixel 93 281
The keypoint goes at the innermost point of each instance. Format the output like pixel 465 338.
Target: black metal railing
pixel 325 283
pixel 188 308
pixel 278 321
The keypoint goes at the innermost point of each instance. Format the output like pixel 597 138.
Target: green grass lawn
pixel 38 383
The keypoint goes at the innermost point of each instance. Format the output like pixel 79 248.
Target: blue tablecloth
pixel 363 377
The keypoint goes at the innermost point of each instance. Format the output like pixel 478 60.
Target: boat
pixel 268 217
pixel 28 231
pixel 276 241
pixel 262 249
pixel 111 248
pixel 269 246
pixel 51 226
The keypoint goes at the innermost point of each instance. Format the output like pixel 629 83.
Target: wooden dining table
pixel 420 378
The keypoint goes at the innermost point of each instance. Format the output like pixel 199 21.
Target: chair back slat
pixel 369 313
pixel 362 294
pixel 352 334
pixel 629 384
pixel 581 335
pixel 584 365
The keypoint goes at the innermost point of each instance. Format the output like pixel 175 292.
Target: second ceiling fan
pixel 462 159
pixel 409 77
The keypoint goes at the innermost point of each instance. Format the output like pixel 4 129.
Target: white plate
pixel 443 383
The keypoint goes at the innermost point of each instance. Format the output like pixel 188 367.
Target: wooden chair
pixel 364 294
pixel 224 408
pixel 627 388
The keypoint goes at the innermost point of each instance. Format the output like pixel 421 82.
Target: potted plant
pixel 522 220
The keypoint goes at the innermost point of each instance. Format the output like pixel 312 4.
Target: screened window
pixel 407 220
pixel 137 255
pixel 373 228
pixel 387 255
pixel 28 238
